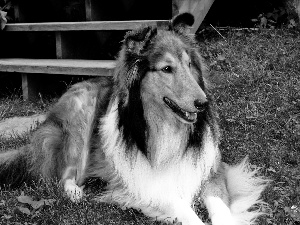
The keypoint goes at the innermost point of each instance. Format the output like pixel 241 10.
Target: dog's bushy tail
pixel 245 187
pixel 14 166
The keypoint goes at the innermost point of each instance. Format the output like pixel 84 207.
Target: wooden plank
pixel 59 45
pixel 18 17
pixel 80 26
pixel 63 50
pixel 88 10
pixel 58 66
pixel 29 87
pixel 199 8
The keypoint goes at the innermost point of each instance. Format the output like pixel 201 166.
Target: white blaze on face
pixel 181 84
pixel 175 78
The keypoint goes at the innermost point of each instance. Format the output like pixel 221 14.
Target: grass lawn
pixel 255 79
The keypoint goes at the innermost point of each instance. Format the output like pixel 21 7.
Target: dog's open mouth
pixel 190 117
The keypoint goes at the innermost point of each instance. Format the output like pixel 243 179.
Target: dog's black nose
pixel 200 105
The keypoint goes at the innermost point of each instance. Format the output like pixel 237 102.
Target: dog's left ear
pixel 182 22
pixel 137 41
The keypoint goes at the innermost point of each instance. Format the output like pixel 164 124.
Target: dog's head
pixel 160 71
pixel 165 65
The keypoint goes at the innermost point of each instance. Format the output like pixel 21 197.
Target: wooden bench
pixel 53 66
pixel 58 66
pixel 63 61
pixel 63 66
pixel 82 26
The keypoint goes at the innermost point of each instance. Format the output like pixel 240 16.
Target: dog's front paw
pixel 74 192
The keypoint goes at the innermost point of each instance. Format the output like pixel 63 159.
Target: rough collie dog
pixel 150 132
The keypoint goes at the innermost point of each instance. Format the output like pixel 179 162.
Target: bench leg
pixel 29 87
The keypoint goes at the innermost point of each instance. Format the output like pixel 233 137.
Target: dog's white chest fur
pixel 172 175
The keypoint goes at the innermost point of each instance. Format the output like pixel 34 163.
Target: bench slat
pixel 77 26
pixel 58 66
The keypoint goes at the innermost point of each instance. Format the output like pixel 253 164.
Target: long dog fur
pixel 151 132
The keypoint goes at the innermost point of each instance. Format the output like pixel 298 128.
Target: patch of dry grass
pixel 257 83
pixel 13 105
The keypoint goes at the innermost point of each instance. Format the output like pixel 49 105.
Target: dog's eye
pixel 190 64
pixel 167 69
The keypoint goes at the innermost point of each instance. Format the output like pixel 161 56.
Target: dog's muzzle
pixel 190 117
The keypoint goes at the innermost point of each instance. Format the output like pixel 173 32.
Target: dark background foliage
pixel 239 13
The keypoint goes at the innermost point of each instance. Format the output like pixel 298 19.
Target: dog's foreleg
pixel 219 212
pixel 74 173
pixel 79 127
pixel 216 198
pixel 245 185
pixel 180 212
pixel 76 163
pixel 75 156
pixel 232 193
pixel 187 216
pixel 73 191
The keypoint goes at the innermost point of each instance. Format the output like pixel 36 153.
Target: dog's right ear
pixel 137 41
pixel 182 22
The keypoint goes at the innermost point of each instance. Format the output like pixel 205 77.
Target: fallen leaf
pixel 24 199
pixel 5 216
pixel 221 57
pixel 35 204
pixel 24 210
pixel 42 202
pixel 49 202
